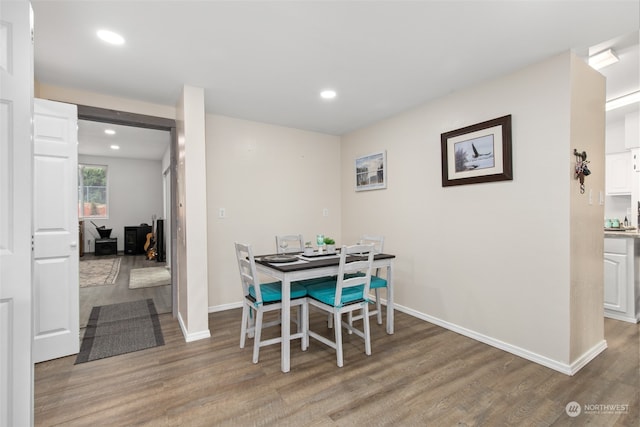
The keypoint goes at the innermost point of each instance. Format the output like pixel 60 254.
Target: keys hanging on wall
pixel 582 168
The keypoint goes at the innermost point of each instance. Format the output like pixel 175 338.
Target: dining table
pixel 290 268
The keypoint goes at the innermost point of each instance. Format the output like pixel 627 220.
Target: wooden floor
pixel 423 375
pixel 120 292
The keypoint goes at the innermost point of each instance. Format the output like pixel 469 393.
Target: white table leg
pixel 285 362
pixel 390 299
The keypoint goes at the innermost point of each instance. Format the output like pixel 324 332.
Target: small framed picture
pixel 477 153
pixel 371 171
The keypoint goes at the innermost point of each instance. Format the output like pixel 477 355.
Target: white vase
pixel 308 251
pixel 331 249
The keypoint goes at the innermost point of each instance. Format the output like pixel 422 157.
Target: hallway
pixel 120 292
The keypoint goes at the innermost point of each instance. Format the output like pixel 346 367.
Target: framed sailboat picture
pixel 477 153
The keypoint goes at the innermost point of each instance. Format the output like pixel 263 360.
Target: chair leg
pixel 305 326
pixel 243 328
pixel 350 322
pixel 337 328
pixel 367 329
pixel 329 321
pixel 378 306
pixel 258 333
pixel 252 323
pixel 298 319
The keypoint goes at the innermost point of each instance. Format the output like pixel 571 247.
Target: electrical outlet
pixel 222 213
pixel 325 212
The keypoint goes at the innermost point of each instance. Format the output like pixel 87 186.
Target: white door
pixel 56 324
pixel 16 100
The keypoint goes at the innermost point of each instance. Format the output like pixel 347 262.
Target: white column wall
pixel 192 215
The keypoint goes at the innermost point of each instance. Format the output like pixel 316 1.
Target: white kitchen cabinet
pixel 632 130
pixel 619 173
pixel 622 278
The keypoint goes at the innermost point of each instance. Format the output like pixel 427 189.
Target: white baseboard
pixel 567 369
pixel 224 307
pixel 588 356
pixel 194 336
pixel 622 317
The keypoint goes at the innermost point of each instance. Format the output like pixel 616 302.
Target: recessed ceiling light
pixel 115 147
pixel 602 59
pixel 110 37
pixel 110 131
pixel 328 94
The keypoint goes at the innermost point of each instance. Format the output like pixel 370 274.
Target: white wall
pixel 270 180
pixel 94 99
pixel 191 215
pixel 135 195
pixel 490 260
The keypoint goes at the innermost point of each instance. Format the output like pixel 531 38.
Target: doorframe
pixel 104 115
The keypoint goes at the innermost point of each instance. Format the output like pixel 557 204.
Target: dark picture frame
pixel 477 153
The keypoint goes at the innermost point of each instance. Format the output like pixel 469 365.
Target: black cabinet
pixel 106 246
pixel 135 238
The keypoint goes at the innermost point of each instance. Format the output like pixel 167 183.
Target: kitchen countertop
pixel 632 234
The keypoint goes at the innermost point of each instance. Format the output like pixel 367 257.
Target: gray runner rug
pixel 120 328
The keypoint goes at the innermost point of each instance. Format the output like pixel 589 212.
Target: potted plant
pixel 308 249
pixel 331 245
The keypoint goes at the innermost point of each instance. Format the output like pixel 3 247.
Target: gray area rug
pixel 99 272
pixel 120 328
pixel 149 277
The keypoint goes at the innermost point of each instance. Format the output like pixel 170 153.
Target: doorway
pixel 165 180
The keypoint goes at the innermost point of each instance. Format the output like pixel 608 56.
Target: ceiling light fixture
pixel 115 147
pixel 328 94
pixel 110 131
pixel 602 59
pixel 622 101
pixel 110 37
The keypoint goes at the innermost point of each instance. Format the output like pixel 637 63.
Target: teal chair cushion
pixel 272 292
pixel 325 292
pixel 308 282
pixel 376 282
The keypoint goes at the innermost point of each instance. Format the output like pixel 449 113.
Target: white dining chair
pixel 289 243
pixel 346 293
pixel 261 298
pixel 377 282
pixel 295 244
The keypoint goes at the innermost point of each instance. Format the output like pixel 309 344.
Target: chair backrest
pixel 248 272
pixel 361 263
pixel 377 241
pixel 289 243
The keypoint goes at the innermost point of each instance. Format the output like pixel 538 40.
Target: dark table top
pixel 315 263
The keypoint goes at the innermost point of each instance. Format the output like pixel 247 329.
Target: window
pixel 92 191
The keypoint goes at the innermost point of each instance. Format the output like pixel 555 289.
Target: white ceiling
pixel 267 60
pixel 133 142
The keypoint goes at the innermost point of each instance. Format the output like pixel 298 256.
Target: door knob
pixel 74 244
